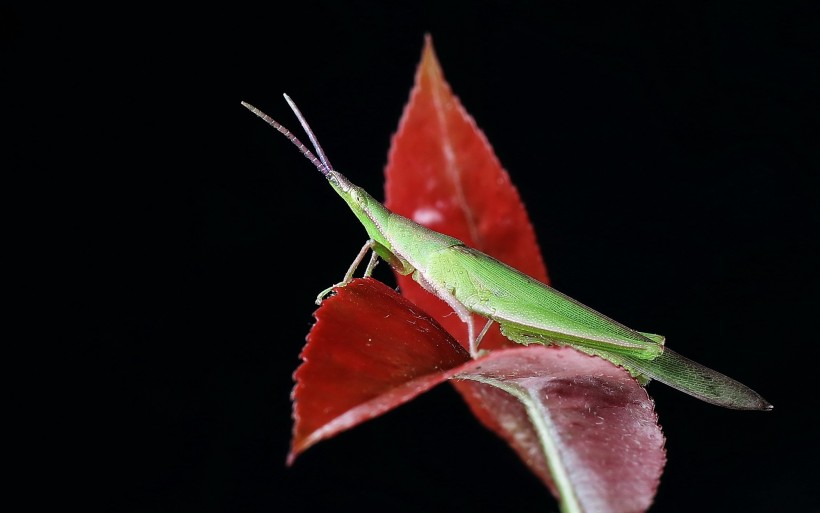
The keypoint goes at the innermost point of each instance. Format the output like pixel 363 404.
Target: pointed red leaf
pixel 583 425
pixel 443 174
pixel 369 351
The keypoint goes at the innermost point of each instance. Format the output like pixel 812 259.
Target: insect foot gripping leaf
pixel 588 430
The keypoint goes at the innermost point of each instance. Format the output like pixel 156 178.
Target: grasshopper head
pixel 368 209
pixel 372 214
pixel 357 198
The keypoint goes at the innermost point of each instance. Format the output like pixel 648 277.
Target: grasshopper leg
pixel 374 258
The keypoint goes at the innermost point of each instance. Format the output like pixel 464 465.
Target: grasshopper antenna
pixel 308 131
pixel 321 163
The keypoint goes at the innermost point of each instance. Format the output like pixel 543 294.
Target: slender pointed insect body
pixel 527 311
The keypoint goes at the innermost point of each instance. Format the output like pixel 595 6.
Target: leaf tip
pixel 290 459
pixel 295 450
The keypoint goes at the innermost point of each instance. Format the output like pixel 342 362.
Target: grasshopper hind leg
pixel 463 313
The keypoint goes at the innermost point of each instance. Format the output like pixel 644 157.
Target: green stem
pixel 545 430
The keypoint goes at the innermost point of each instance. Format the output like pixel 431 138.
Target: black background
pixel 667 154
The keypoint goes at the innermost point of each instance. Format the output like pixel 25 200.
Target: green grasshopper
pixel 527 311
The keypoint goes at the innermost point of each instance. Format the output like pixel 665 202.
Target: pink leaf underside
pixel 371 350
pixel 602 423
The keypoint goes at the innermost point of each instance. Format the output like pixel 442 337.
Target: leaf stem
pixel 545 429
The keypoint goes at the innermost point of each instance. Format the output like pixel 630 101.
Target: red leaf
pixel 595 439
pixel 442 173
pixel 369 351
pixel 573 416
